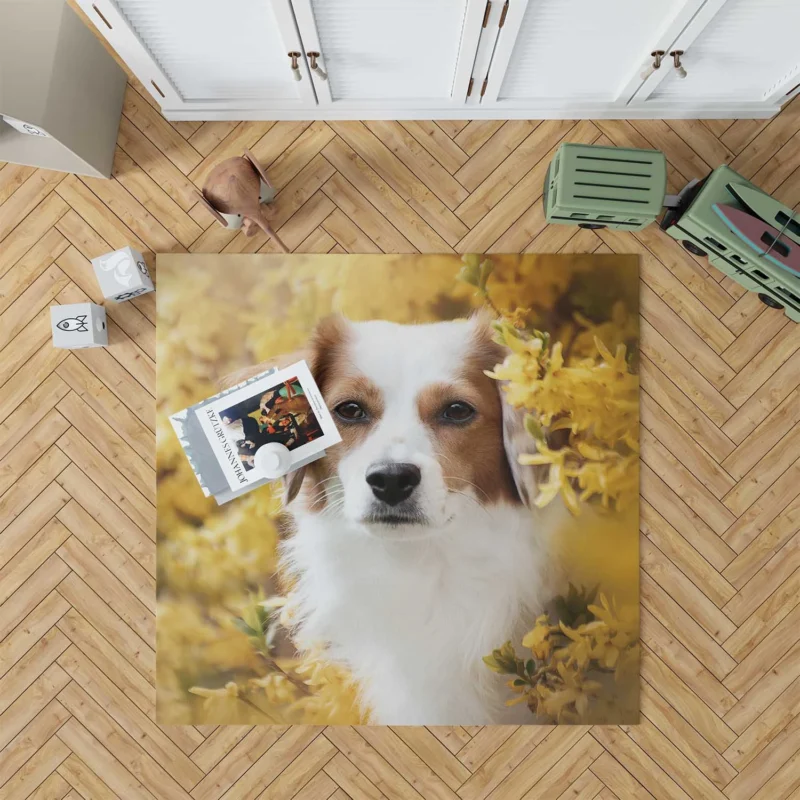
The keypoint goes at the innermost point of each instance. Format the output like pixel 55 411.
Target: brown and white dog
pixel 414 552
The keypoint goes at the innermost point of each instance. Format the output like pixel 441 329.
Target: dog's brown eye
pixel 458 412
pixel 350 411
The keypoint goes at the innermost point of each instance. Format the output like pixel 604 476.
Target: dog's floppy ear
pixel 292 483
pixel 516 440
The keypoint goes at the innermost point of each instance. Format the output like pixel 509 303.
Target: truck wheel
pixel 592 226
pixel 693 248
pixel 769 301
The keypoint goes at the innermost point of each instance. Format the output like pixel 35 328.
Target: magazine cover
pixel 222 434
pixel 284 407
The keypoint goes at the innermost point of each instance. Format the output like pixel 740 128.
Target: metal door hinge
pixel 486 13
pixel 503 15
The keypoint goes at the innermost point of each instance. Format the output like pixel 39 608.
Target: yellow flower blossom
pixel 278 689
pixel 569 700
pixel 229 690
pixel 538 639
pixel 559 682
pixel 595 399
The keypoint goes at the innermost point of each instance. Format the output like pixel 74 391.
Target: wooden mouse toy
pixel 234 192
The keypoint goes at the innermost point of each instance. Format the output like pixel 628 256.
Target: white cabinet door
pixel 381 55
pixel 736 51
pixel 218 56
pixel 577 53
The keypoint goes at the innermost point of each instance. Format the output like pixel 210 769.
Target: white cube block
pixel 78 325
pixel 122 274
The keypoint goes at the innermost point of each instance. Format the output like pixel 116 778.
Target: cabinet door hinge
pixel 503 15
pixel 485 84
pixel 469 88
pixel 486 13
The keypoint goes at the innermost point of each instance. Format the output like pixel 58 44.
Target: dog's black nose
pixel 392 483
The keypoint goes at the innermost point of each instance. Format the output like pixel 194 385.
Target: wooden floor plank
pixel 113 520
pixel 12 176
pixel 35 735
pixel 30 267
pixel 500 181
pixel 417 159
pixel 27 234
pixel 159 131
pixel 284 162
pixel 31 593
pixel 437 143
pixel 83 781
pixel 30 483
pixel 760 598
pixel 112 663
pixel 398 179
pixel 152 197
pixel 26 198
pixel 98 760
pixel 30 557
pixel 684 737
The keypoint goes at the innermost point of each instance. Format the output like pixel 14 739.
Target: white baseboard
pixel 649 111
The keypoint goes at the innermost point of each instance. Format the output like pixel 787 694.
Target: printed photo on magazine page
pixel 286 408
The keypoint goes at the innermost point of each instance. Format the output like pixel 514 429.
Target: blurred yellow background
pixel 218 313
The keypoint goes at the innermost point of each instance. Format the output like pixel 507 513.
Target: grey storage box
pixel 59 87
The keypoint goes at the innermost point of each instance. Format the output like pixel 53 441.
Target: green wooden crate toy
pixel 744 232
pixel 605 187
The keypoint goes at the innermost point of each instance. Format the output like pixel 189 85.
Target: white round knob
pixel 273 460
pixel 679 70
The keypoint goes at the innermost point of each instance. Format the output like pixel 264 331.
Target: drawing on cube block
pixel 122 274
pixel 78 325
pixel 24 127
pixel 73 324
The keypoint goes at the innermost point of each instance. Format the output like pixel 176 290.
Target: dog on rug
pixel 413 549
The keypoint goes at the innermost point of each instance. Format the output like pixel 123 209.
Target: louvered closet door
pixel 556 53
pixel 748 51
pixel 386 54
pixel 220 54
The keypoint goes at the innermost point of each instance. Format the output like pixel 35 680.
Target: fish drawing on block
pixel 761 237
pixel 77 324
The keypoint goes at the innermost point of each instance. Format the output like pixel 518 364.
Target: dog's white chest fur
pixel 411 619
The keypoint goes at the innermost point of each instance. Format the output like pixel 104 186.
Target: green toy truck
pixel 597 187
pixel 702 232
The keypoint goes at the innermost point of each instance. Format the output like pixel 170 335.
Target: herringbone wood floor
pixel 720 472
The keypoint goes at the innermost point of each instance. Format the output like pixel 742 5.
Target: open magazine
pixel 222 434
